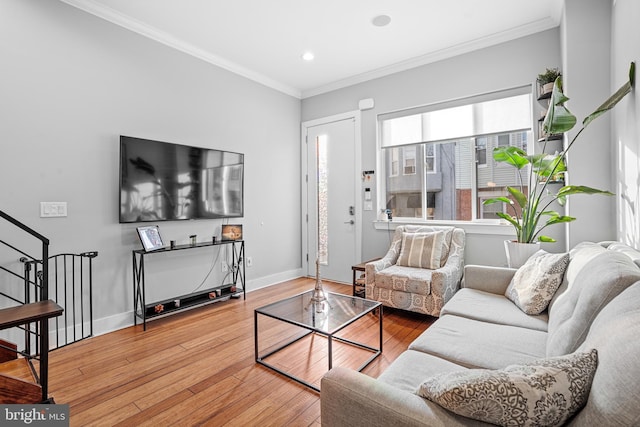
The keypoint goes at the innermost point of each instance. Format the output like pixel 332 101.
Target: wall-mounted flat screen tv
pixel 161 181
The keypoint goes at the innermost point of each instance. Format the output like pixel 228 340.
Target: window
pixel 409 160
pixel 481 151
pixel 446 155
pixel 394 161
pixel 430 158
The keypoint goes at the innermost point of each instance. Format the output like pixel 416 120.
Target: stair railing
pixel 42 328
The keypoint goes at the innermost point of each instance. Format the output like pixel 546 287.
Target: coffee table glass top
pixel 328 317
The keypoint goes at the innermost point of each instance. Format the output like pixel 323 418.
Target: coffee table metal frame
pixel 335 302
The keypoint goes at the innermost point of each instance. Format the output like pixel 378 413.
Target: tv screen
pixel 161 181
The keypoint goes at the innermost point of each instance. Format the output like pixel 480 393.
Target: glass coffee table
pixel 326 319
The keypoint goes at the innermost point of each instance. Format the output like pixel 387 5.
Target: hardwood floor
pixel 198 367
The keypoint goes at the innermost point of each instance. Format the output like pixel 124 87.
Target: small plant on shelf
pixel 534 214
pixel 546 80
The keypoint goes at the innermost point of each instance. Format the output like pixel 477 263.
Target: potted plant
pixel 531 211
pixel 546 80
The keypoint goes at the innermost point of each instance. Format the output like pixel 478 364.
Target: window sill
pixel 479 227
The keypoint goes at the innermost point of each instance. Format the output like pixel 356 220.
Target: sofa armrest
pixel 350 398
pixel 489 279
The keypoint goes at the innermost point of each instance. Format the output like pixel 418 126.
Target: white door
pixel 332 230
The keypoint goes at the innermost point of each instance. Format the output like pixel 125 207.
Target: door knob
pixel 350 222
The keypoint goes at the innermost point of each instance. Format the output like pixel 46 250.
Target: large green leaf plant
pixel 534 213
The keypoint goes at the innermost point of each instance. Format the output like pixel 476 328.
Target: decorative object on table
pixel 231 232
pixel 213 240
pixel 150 237
pixel 531 213
pixel 318 297
pixel 192 238
pixel 172 244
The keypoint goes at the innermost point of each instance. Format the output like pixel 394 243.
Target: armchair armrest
pixel 350 398
pixel 489 279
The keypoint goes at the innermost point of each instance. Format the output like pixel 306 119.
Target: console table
pixel 144 311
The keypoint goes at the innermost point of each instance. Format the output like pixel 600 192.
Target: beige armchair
pixel 396 283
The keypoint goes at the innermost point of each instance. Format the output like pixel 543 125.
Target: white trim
pixel 450 52
pixel 115 17
pixel 304 128
pixel 132 24
pixel 489 227
pixel 124 320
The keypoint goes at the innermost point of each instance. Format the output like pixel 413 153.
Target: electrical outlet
pixel 249 261
pixel 225 267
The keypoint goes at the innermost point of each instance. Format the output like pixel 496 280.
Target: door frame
pixel 357 182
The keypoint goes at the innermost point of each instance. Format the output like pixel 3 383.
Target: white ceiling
pixel 264 39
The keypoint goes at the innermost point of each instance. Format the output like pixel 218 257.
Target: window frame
pixel 475 215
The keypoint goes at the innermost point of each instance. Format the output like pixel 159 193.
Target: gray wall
pixel 586 41
pixel 625 139
pixel 71 84
pixel 503 66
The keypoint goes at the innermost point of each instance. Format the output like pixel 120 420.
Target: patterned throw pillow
pixel 421 250
pixel 545 392
pixel 536 282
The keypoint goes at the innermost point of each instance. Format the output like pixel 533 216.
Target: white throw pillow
pixel 545 392
pixel 536 282
pixel 421 250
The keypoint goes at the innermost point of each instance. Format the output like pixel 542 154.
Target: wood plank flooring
pixel 198 367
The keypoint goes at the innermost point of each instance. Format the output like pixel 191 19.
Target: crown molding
pixel 449 52
pixel 115 17
pixel 167 39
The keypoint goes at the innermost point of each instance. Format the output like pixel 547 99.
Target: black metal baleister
pixel 71 286
pixel 42 329
pixel 145 311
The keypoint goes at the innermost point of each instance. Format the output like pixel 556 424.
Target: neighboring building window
pixel 395 161
pixel 490 211
pixel 481 151
pixel 445 152
pixel 430 158
pixel 409 160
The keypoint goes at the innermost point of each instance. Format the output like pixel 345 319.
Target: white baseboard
pixel 124 320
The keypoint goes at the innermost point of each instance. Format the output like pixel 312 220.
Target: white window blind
pixel 510 112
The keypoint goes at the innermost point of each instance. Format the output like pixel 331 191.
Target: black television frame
pixel 215 182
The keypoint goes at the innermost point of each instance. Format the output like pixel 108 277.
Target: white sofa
pixel 596 307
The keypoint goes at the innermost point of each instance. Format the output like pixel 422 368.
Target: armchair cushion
pixel 406 279
pixel 421 250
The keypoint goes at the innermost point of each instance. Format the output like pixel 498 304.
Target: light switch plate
pixel 53 209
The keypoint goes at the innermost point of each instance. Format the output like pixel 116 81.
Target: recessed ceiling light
pixel 381 20
pixel 308 56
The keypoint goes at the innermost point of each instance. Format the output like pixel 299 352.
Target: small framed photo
pixel 231 232
pixel 150 238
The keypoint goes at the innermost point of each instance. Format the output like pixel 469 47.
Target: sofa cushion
pixel 410 368
pixel 579 256
pixel 543 392
pixel 489 307
pixel 599 280
pixel 536 282
pixel 476 344
pixel 421 250
pixel 406 279
pixel 615 391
